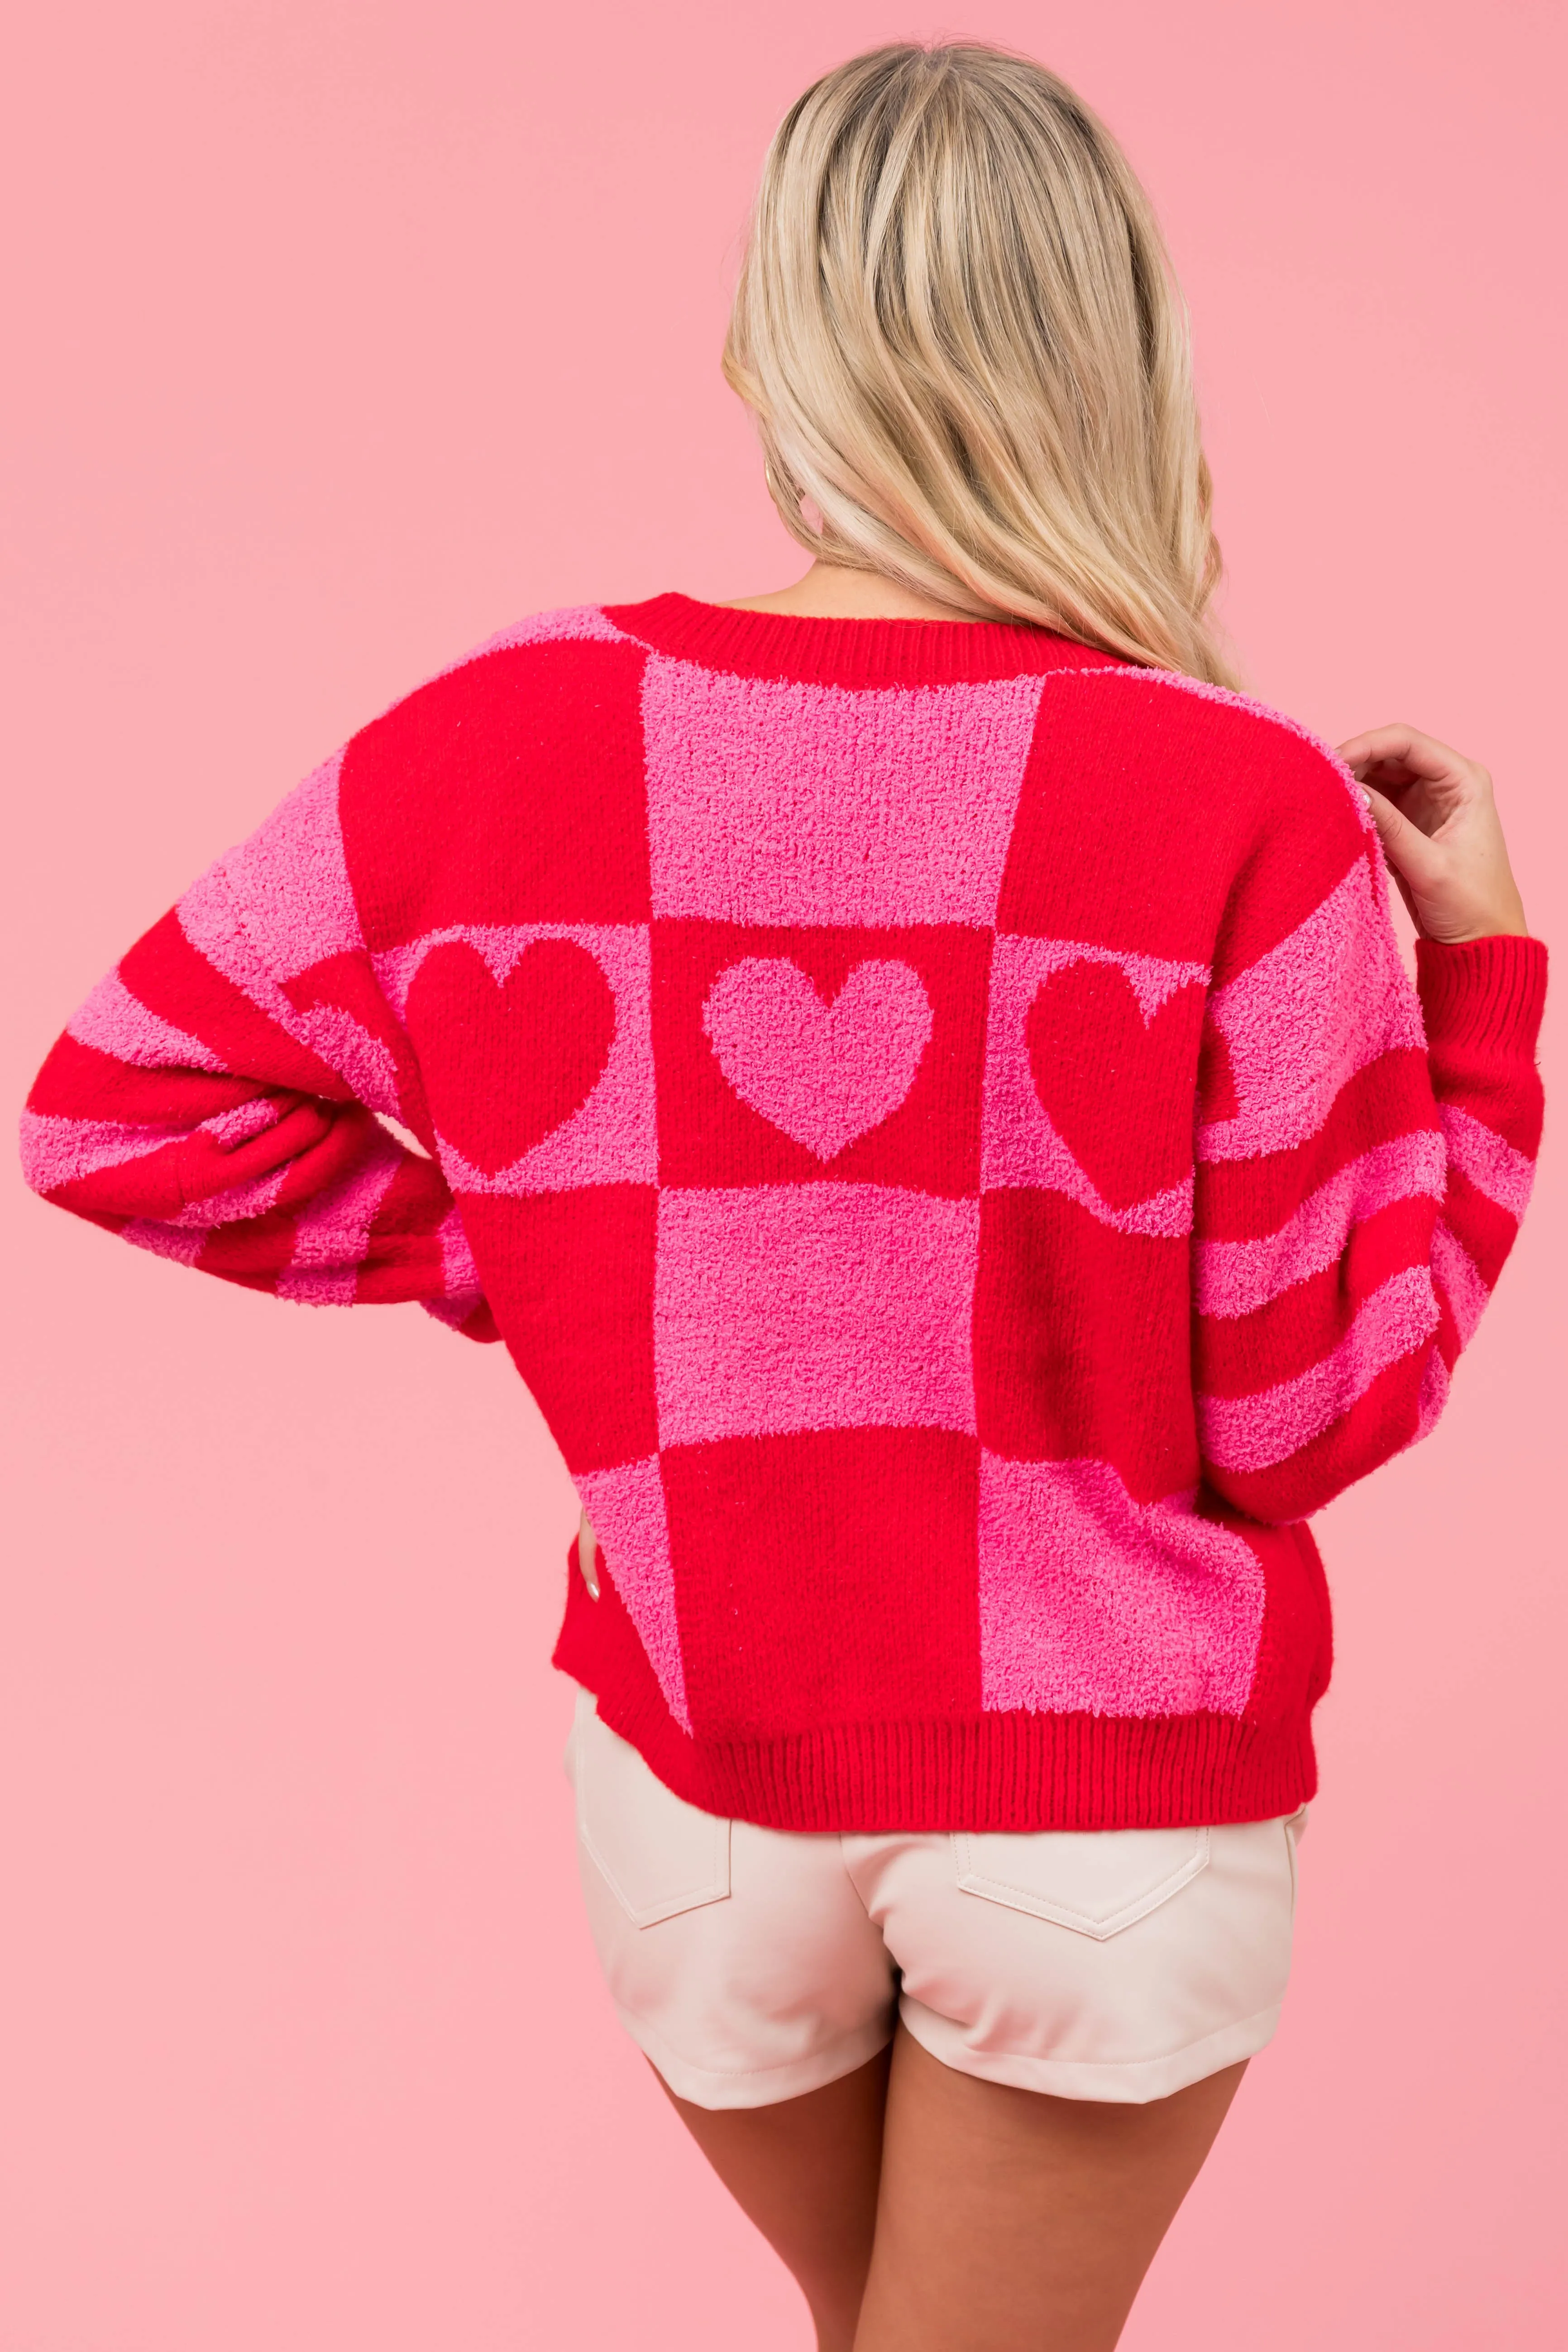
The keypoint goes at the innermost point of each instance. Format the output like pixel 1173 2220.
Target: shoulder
pixel 507 788
pixel 1153 806
pixel 518 699
pixel 1300 839
pixel 543 648
pixel 1250 757
pixel 569 624
pixel 1294 818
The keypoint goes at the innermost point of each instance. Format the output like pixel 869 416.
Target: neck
pixel 831 592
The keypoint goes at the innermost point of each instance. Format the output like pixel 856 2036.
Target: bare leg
pixel 805 2172
pixel 1009 2222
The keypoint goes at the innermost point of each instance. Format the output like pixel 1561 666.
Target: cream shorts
pixel 753 1965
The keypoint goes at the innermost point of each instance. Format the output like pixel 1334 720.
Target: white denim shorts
pixel 753 1965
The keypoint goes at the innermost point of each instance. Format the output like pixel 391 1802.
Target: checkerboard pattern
pixel 941 1127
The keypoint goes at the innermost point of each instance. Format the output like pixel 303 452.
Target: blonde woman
pixel 917 1070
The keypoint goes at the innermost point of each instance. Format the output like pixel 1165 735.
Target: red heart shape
pixel 505 1063
pixel 1118 1090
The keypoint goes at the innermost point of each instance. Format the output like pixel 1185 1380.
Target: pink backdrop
pixel 343 332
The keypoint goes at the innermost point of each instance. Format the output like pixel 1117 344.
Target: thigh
pixel 806 2171
pixel 1009 2219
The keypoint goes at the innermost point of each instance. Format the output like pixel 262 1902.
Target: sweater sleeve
pixel 216 1099
pixel 1365 1155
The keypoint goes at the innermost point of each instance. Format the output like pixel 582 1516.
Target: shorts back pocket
pixel 658 1855
pixel 1096 1882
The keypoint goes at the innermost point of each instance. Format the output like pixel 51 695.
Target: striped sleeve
pixel 216 1099
pixel 1364 1156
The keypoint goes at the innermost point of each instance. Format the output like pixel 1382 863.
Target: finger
pixel 1404 844
pixel 1407 895
pixel 1401 747
pixel 1359 751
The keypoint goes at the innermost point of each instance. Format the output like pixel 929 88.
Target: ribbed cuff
pixel 1487 991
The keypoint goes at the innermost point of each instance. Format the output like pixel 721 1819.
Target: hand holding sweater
pixel 1438 824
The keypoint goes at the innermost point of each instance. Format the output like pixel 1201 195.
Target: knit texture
pixel 939 1120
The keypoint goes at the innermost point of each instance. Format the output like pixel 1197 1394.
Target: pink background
pixel 343 333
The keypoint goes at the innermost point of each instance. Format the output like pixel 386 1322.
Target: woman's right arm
pixel 215 1099
pixel 1357 1197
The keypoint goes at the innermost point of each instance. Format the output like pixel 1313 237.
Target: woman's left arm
pixel 1366 1159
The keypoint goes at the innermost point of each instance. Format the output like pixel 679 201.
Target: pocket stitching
pixel 1062 1915
pixel 715 1889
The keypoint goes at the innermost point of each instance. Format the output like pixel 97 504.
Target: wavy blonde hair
pixel 957 329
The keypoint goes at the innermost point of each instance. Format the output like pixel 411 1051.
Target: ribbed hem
pixel 1013 1772
pixel 1487 991
pixel 784 646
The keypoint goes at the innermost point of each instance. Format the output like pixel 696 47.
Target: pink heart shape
pixel 824 1073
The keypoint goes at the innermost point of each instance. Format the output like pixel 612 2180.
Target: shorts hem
pixel 1132 2082
pixel 760 2087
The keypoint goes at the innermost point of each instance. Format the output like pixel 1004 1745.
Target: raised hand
pixel 1438 824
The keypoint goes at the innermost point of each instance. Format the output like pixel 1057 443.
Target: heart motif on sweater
pixel 824 1073
pixel 508 1062
pixel 1117 1088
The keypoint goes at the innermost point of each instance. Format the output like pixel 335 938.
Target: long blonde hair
pixel 958 331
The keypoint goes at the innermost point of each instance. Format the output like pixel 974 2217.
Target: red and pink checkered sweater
pixel 938 1117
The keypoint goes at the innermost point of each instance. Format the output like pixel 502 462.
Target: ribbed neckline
pixel 787 646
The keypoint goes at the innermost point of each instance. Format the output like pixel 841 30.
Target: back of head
pixel 958 331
